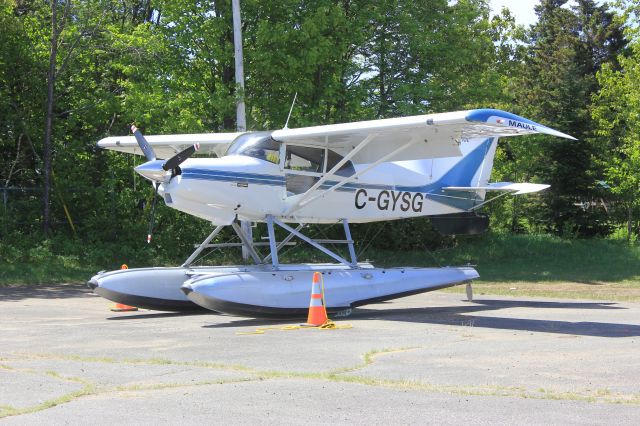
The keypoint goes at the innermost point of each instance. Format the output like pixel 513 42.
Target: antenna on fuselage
pixel 286 125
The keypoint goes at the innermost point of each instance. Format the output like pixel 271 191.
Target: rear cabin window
pixel 310 160
pixel 346 169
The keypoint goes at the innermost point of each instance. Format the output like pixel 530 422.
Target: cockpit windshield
pixel 257 145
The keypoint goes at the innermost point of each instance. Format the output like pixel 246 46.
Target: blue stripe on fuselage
pixel 217 175
pixel 460 174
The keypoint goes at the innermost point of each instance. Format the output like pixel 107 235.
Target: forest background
pixel 73 72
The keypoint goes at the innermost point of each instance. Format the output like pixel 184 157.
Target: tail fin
pixel 473 168
pixel 481 178
pixel 479 184
pixel 463 182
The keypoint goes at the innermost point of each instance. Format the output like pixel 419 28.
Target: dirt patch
pixel 627 291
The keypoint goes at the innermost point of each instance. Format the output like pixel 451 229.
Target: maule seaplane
pixel 436 165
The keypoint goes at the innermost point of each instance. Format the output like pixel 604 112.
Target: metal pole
pixel 237 44
pixel 241 120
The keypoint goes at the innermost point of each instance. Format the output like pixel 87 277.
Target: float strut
pixel 352 250
pixel 272 242
pixel 312 242
pixel 202 246
pixel 247 243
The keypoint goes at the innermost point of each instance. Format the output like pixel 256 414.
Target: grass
pixel 621 292
pixel 44 273
pixel 538 266
pixel 531 258
pixel 524 265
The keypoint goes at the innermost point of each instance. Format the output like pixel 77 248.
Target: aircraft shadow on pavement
pixel 141 315
pixel 52 291
pixel 254 322
pixel 503 303
pixel 463 316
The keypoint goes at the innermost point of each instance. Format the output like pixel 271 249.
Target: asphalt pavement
pixel 434 358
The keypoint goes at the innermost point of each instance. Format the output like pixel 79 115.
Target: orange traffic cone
pixel 121 307
pixel 317 310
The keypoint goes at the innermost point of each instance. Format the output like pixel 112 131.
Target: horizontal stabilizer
pixel 516 188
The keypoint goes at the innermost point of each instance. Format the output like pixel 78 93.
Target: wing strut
pixel 331 172
pixel 301 203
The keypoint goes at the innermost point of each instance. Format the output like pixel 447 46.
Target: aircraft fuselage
pixel 221 189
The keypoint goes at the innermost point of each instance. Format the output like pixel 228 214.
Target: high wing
pixel 166 146
pixel 415 137
pixel 392 139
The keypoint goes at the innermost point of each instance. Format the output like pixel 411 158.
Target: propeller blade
pixel 180 157
pixel 143 144
pixel 153 212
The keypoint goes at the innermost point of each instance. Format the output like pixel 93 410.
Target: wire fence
pixel 22 207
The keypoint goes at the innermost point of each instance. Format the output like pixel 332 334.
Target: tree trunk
pixel 46 157
pixel 629 222
pixel 382 69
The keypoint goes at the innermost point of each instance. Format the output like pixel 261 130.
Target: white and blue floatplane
pixel 436 165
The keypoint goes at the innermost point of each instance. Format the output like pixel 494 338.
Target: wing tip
pixel 103 143
pixel 508 119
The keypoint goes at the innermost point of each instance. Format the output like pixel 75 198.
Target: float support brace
pixel 347 235
pixel 313 243
pixel 247 244
pixel 202 246
pixel 272 242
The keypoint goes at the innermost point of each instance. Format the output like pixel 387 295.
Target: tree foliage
pixel 566 48
pixel 617 114
pixel 167 65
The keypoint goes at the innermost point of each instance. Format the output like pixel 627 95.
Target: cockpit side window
pixel 257 145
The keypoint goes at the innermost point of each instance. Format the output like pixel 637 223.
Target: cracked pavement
pixel 430 358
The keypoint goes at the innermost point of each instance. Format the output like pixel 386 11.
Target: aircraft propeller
pixel 157 176
pixel 143 144
pixel 172 163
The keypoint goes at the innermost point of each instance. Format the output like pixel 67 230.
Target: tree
pixel 56 29
pixel 566 49
pixel 617 114
pixel 430 56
